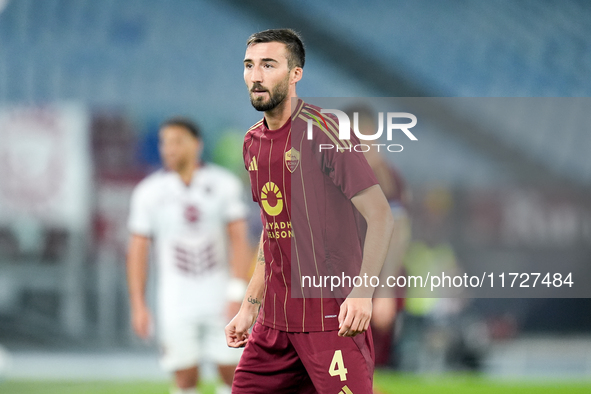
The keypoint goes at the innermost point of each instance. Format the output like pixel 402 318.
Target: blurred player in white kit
pixel 194 215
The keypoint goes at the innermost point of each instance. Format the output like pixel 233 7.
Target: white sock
pixel 223 389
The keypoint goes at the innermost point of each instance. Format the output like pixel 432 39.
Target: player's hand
pixel 354 316
pixel 237 330
pixel 384 312
pixel 141 320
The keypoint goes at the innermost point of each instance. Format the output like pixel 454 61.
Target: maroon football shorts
pixel 320 362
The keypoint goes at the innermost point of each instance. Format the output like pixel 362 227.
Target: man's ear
pixel 296 74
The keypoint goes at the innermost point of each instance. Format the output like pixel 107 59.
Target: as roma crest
pixel 292 159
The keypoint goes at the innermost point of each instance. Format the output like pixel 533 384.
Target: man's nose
pixel 256 75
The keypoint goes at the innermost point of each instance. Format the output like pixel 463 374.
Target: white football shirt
pixel 187 225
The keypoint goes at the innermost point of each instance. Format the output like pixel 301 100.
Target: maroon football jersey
pixel 310 225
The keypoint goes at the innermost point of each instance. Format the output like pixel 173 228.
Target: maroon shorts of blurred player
pixel 305 363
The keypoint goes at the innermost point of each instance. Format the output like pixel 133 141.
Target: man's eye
pixel 268 65
pixel 248 66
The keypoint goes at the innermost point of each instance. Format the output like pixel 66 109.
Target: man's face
pixel 178 147
pixel 266 74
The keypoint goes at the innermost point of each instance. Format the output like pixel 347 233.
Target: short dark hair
pixel 295 47
pixel 186 123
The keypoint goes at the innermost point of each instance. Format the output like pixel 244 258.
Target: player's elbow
pixel 374 207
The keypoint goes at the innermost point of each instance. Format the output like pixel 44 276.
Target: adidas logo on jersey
pixel 253 165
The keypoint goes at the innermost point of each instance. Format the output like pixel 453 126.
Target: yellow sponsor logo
pixel 278 230
pixel 270 194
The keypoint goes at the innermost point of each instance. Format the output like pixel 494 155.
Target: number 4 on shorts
pixel 337 366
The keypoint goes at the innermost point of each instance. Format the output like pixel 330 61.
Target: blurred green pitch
pixel 385 382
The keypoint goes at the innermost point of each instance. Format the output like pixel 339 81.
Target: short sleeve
pixel 139 212
pixel 348 169
pixel 235 208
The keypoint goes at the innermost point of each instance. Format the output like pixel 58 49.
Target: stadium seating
pixel 153 58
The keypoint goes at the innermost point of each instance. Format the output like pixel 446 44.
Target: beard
pixel 276 96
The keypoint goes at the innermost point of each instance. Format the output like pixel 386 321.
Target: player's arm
pixel 384 301
pixel 240 258
pixel 137 275
pixel 239 249
pixel 355 313
pixel 237 329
